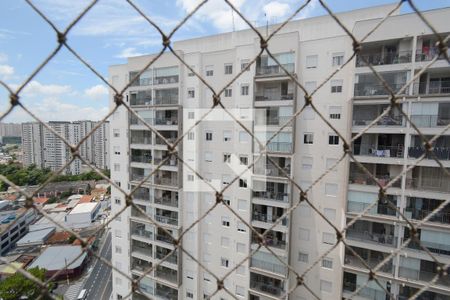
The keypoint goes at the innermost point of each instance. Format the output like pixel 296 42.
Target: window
pixel 190 73
pixel 330 213
pixel 244 90
pixel 191 93
pixel 243 137
pixel 307 162
pixel 224 241
pixel 242 204
pixel 303 257
pixel 208 135
pixel 240 247
pixel 244 112
pixel 224 262
pixel 328 238
pixel 118 233
pixel 190 177
pixel 118 249
pixel 189 294
pixel 333 139
pixel 241 227
pixel 310 86
pixel 240 291
pixel 327 263
pixel 225 221
pixel 308 138
pixel 335 112
pixel 338 59
pixel 226 180
pixel 209 70
pixel 227 158
pixel 119 297
pixel 311 61
pixel 242 183
pixel 190 136
pixel 227 201
pixel 243 159
pixel 228 69
pixel 117 201
pixel 331 189
pixel 116 150
pixel 244 64
pixel 116 132
pixel 336 86
pixel 228 92
pixel 208 156
pixel 303 234
pixel 117 167
pixel 227 135
pixel 191 115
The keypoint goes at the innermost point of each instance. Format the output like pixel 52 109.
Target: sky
pixel 109 33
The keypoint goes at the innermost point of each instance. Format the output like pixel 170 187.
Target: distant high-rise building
pixel 44 149
pixel 10 129
pixel 171 98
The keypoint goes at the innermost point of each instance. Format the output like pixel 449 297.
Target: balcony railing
pixel 371 237
pixel 442 153
pixel 273 97
pixel 432 87
pixel 166 79
pixel 275 69
pixel 366 292
pixel 141 140
pixel 432 184
pixel 427 56
pixel 268 266
pixel 271 170
pixel 167 201
pixel 266 287
pixel 372 262
pixel 388 58
pixel 268 219
pixel 166 121
pixel 430 120
pixel 379 209
pixel 138 214
pixel 420 214
pixel 135 121
pixel 274 196
pixel 275 121
pixel 143 233
pixel 171 258
pixel 167 274
pixel 142 250
pixel 422 275
pixel 377 89
pixel 166 220
pixel 141 267
pixel 434 247
pixel 140 100
pixel 166 97
pixel 271 242
pixel 378 150
pixel 384 121
pixel 160 141
pixel 285 147
pixel 166 293
pixel 170 162
pixel 141 159
pixel 365 179
pixel 166 181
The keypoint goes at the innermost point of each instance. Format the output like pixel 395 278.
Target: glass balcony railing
pixel 166 79
pixel 141 159
pixel 386 58
pixel 164 238
pixel 428 55
pixel 166 293
pixel 171 258
pixel 142 233
pixel 167 274
pixel 432 184
pixel 268 266
pixel 442 153
pixel 285 147
pixel 442 216
pixel 267 287
pixel 366 292
pixel 256 216
pixel 423 275
pixel 365 179
pixel 378 150
pixel 273 196
pixel 166 121
pixel 378 209
pixel 272 242
pixel 430 120
pixel 142 250
pixel 145 140
pixel 166 181
pixel 432 87
pixel 371 237
pixel 168 201
pixel 352 260
pixel 384 121
pixel 166 220
pixel 275 69
pixel 377 89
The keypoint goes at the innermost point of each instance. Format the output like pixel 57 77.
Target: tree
pixel 17 286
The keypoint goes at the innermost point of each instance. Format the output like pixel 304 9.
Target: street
pixel 99 282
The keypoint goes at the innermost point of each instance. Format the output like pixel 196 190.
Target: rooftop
pixel 84 208
pixel 40 200
pixel 59 217
pixel 86 198
pixel 56 257
pixel 36 237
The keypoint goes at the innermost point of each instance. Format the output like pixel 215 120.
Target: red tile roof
pixel 86 199
pixel 40 200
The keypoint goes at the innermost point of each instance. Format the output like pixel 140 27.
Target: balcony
pixel 141 248
pixel 381 172
pixel 138 174
pixel 407 292
pixel 369 85
pixel 141 98
pixel 366 292
pixel 428 178
pixel 383 58
pixel 143 137
pixel 274 91
pixel 268 214
pixel 372 232
pixel 139 230
pixel 162 253
pixel 166 274
pixel 141 193
pixel 135 121
pixel 384 208
pixel 267 285
pixel 168 201
pixel 166 217
pixel 378 150
pixel 140 265
pixel 434 241
pixel 427 49
pixel 432 87
pixel 426 273
pixel 163 237
pixel 273 238
pixel 165 292
pixel 167 117
pixel 420 208
pixel 430 120
pixel 136 213
pixel 141 156
pixel 274 267
pixel 143 79
pixel 170 136
pixel 371 257
pixel 166 75
pixel 161 155
pixel 266 66
pixel 165 179
pixel 271 191
pixel 442 153
pixel 273 116
pixel 166 96
pixel 363 115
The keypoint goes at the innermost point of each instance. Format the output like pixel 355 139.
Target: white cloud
pixel 35 88
pixel 96 92
pixel 6 71
pixel 129 52
pixel 275 9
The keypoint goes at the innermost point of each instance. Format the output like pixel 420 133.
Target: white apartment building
pixel 46 150
pixel 10 129
pixel 171 98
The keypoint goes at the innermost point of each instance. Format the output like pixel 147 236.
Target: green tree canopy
pixel 17 286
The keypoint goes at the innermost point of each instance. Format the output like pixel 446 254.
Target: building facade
pixel 44 149
pixel 171 98
pixel 10 129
